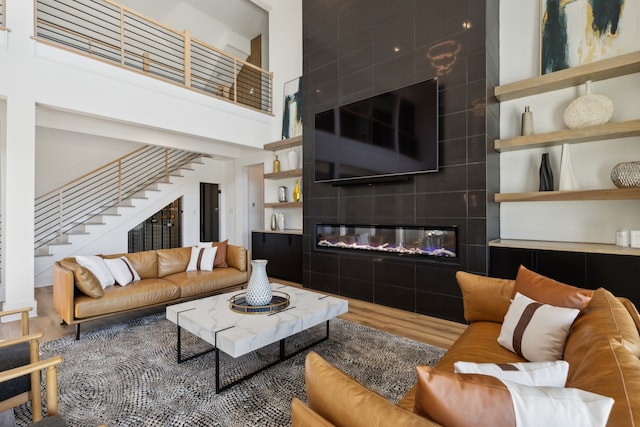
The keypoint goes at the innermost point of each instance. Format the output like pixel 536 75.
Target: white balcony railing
pixel 108 31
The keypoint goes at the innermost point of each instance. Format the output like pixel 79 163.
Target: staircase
pixel 73 216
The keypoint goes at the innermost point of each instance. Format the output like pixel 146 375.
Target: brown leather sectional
pixel 602 349
pixel 163 281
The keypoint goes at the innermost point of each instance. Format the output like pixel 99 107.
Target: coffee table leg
pixel 282 357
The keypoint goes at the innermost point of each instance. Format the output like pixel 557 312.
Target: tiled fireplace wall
pixel 355 49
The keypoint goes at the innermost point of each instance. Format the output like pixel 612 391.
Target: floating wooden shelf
pixel 597 248
pixel 295 141
pixel 600 70
pixel 632 193
pixel 570 136
pixel 283 205
pixel 294 173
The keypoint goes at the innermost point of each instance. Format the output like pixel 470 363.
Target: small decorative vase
pixel 527 122
pixel 293 159
pixel 258 289
pixel 282 194
pixel 546 175
pixel 568 180
pixel 274 222
pixel 296 192
pixel 588 110
pixel 280 221
pixel 626 174
pixel 276 164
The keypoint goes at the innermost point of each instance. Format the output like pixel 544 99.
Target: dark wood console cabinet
pixel 616 273
pixel 282 250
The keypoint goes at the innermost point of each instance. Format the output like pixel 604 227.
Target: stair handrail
pixel 77 202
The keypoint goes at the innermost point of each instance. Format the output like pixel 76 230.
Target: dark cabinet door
pixel 504 262
pixel 283 253
pixel 565 267
pixel 619 274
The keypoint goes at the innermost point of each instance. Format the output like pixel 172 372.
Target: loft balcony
pixel 115 34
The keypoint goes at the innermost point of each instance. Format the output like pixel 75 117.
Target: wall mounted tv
pixel 387 136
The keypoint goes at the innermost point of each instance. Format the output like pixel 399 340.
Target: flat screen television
pixel 392 134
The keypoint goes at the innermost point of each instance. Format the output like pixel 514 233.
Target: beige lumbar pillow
pixel 202 259
pixel 122 270
pixel 538 332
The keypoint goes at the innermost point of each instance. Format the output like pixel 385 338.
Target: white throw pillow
pixel 555 406
pixel 548 374
pixel 205 244
pixel 536 331
pixel 202 259
pixel 122 270
pixel 96 265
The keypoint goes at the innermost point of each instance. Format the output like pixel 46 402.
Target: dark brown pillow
pixel 85 280
pixel 549 291
pixel 221 254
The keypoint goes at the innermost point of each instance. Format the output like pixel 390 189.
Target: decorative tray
pixel 279 301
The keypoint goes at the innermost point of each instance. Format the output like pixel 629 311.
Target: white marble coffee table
pixel 236 334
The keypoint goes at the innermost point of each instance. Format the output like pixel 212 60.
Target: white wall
pixel 590 221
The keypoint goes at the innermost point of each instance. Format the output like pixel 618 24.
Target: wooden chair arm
pixel 31 367
pixel 24 318
pixel 23 339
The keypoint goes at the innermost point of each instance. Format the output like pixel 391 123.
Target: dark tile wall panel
pixel 349 53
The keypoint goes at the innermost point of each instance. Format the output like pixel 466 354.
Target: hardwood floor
pixel 426 329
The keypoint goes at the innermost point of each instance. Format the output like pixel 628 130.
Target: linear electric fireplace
pixel 406 239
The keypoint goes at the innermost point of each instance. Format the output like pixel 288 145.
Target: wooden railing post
pixel 122 35
pixel 187 58
pixel 235 80
pixel 145 62
pixel 60 214
pixel 166 164
pixel 119 181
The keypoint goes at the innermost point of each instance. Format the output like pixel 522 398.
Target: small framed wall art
pixel 292 109
pixel 576 32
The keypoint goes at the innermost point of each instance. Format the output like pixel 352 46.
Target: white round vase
pixel 294 159
pixel 259 289
pixel 588 110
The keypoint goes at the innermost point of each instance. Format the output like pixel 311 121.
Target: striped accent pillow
pixel 548 374
pixel 202 259
pixel 536 331
pixel 122 270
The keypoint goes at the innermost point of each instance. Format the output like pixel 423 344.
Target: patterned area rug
pixel 127 375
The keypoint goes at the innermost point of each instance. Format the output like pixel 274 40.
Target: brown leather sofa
pixel 602 349
pixel 163 281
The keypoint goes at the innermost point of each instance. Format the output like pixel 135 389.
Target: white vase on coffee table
pixel 259 289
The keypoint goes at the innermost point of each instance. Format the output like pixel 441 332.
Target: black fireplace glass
pixel 406 239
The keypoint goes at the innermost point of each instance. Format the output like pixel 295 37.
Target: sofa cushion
pixel 202 259
pixel 548 374
pixel 122 270
pixel 221 254
pixel 117 298
pixel 192 283
pixel 145 263
pixel 237 257
pixel 488 401
pixel 85 280
pixel 303 416
pixel 96 265
pixel 171 261
pixel 484 298
pixel 536 331
pixel 343 401
pixel 549 291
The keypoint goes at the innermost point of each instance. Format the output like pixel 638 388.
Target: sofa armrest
pixel 63 292
pixel 303 416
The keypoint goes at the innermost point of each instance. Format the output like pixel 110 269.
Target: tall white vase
pixel 259 289
pixel 294 159
pixel 568 180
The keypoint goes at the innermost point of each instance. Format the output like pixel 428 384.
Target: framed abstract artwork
pixel 292 109
pixel 576 32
